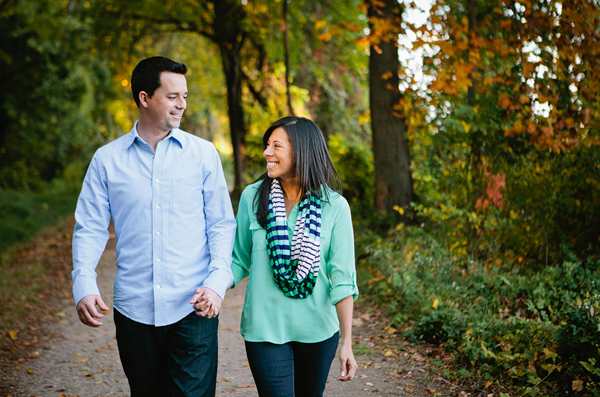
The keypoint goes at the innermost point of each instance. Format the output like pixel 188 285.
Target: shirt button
pixel 158 286
pixel 158 259
pixel 158 233
pixel 157 181
pixel 158 207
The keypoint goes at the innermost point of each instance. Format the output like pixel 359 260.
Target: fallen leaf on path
pixel 244 386
pixel 99 350
pixel 110 347
pixel 30 371
pixel 83 360
pixel 13 334
pixel 89 375
pixel 229 328
pixel 99 381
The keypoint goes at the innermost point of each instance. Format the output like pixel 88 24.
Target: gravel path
pixel 83 361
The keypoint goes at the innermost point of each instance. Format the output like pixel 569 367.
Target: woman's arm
pixel 348 363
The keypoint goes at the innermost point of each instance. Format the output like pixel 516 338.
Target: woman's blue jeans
pixel 293 369
pixel 175 360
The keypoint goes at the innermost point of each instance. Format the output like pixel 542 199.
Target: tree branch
pixel 256 94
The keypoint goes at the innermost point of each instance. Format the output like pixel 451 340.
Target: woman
pixel 295 241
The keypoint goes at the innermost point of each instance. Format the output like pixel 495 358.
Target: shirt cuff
pixel 238 274
pixel 340 292
pixel 219 281
pixel 83 288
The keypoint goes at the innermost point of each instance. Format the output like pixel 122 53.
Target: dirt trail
pixel 82 361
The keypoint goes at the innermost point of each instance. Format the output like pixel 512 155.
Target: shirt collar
pixel 175 133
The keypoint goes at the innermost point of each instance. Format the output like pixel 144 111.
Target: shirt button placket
pixel 157 243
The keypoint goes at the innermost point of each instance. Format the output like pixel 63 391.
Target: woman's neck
pixel 291 193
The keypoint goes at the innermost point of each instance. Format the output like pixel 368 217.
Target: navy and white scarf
pixel 295 268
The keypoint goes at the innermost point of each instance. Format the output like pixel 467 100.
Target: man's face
pixel 166 106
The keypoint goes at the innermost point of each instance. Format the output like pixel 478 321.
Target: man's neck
pixel 151 135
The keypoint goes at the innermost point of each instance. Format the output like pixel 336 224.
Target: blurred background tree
pixel 492 138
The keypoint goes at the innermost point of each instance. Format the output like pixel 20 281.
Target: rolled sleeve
pixel 341 264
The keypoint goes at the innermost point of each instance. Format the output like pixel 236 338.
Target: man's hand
pixel 206 302
pixel 86 309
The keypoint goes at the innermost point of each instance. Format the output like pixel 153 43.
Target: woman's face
pixel 280 160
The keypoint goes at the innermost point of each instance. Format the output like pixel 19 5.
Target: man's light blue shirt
pixel 173 221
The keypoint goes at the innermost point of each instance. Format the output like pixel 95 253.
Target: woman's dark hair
pixel 146 75
pixel 314 168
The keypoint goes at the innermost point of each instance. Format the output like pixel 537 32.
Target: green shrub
pixel 537 330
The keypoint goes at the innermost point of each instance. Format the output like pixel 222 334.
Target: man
pixel 174 224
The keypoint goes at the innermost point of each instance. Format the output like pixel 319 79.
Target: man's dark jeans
pixel 175 360
pixel 292 369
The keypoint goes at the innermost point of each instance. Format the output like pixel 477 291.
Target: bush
pixel 539 331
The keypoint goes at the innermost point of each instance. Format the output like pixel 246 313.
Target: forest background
pixel 466 133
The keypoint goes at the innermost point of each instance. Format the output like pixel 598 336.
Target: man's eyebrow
pixel 176 93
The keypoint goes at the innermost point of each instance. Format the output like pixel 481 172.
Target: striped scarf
pixel 296 269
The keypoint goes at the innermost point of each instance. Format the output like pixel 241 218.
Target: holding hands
pixel 206 302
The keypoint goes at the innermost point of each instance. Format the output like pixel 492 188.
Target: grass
pixel 34 251
pixel 23 215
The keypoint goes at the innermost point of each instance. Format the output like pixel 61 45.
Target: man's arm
pixel 220 230
pixel 92 217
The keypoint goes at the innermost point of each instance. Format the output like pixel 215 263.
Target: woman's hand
pixel 206 303
pixel 348 363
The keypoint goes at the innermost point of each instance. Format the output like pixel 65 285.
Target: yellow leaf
pixel 488 384
pixel 83 360
pixel 388 353
pixel 466 126
pixel 399 209
pixel 469 331
pixel 324 36
pixel 436 303
pixel 30 371
pixel 577 385
pixel 13 334
pixel 391 330
pixel 320 25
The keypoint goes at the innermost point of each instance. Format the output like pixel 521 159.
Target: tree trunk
pixel 230 38
pixel 286 52
pixel 393 179
pixel 233 80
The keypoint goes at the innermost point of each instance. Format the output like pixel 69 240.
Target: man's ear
pixel 143 97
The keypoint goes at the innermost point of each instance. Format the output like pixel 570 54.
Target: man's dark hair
pixel 314 168
pixel 146 75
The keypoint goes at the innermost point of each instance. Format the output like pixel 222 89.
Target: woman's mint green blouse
pixel 269 315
